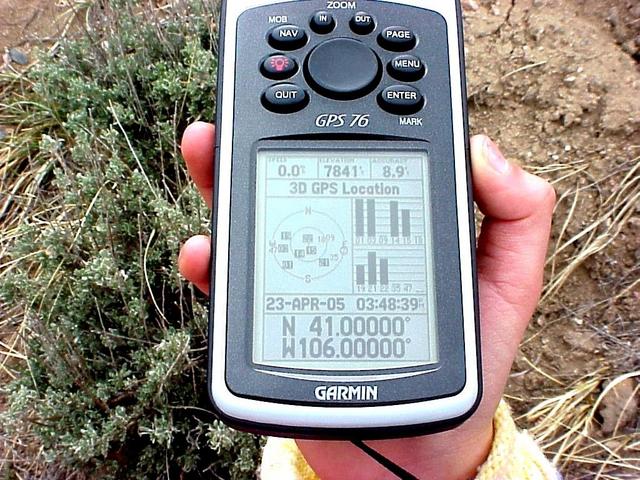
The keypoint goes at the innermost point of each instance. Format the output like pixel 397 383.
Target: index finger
pixel 198 150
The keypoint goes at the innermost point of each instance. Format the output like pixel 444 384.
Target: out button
pixel 362 23
pixel 285 98
pixel 401 100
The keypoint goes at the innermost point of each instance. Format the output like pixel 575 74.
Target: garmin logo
pixel 347 393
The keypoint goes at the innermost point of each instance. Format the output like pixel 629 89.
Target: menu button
pixel 407 68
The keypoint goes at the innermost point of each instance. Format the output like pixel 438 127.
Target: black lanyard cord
pixel 397 470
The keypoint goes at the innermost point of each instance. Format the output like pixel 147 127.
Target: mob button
pixel 401 100
pixel 285 98
pixel 287 37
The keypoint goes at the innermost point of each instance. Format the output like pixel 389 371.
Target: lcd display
pixel 344 275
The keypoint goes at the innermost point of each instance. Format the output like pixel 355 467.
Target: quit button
pixel 285 98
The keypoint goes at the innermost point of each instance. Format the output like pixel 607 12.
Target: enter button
pixel 401 100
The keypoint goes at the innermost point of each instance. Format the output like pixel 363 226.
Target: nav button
pixel 287 37
pixel 285 98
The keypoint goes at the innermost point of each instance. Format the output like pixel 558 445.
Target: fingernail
pixel 495 157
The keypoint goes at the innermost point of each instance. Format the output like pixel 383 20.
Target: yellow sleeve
pixel 514 456
pixel 281 460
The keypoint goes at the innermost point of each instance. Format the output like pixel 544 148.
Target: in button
pixel 323 23
pixel 287 37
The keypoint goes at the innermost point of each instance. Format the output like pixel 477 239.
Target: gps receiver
pixel 343 286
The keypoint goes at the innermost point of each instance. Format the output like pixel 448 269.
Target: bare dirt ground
pixel 26 23
pixel 557 84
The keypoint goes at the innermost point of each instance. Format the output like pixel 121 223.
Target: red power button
pixel 279 67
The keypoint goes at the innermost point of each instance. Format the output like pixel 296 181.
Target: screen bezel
pixel 287 385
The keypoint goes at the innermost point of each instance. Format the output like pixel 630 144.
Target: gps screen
pixel 344 275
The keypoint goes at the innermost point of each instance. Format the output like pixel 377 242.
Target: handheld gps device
pixel 343 292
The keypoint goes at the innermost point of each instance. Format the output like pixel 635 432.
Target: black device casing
pixel 243 394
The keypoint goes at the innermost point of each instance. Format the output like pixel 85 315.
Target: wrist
pixel 452 455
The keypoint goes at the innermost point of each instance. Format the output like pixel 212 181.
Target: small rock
pixel 629 47
pixel 18 56
pixel 581 341
pixel 470 5
pixel 570 80
pixel 538 34
pixel 613 18
pixel 620 407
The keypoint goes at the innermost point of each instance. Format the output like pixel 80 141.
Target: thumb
pixel 513 242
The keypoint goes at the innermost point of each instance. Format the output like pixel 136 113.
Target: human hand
pixel 511 251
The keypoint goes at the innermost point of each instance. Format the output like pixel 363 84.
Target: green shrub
pixel 114 383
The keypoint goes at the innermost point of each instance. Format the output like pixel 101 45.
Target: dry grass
pixel 568 426
pixel 568 430
pixel 22 174
pixel 613 214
